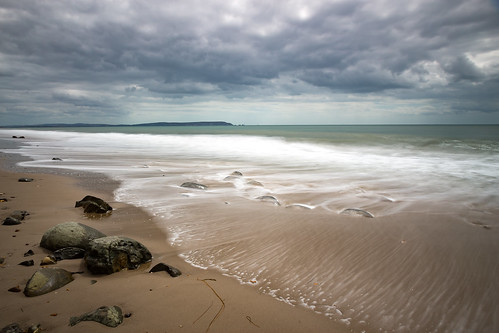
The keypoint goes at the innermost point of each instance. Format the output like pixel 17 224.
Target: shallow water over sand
pixel 427 261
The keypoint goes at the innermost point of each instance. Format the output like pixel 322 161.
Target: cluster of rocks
pixel 101 254
pixel 16 217
pixel 274 201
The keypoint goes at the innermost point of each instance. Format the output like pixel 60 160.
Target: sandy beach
pixel 156 302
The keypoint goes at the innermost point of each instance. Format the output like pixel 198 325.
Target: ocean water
pixel 425 262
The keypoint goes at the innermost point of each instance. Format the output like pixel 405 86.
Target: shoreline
pixel 156 302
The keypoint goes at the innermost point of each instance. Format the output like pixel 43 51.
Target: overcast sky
pixel 251 62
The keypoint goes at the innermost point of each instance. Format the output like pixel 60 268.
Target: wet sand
pixel 156 302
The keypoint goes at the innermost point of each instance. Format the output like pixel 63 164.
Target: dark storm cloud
pixel 113 56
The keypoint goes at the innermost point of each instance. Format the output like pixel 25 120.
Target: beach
pixel 155 301
pixel 332 231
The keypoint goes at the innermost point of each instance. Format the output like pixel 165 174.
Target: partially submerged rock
pixel 269 198
pixel 111 254
pixel 234 175
pixel 111 316
pixel 46 280
pixel 93 205
pixel 69 234
pixel 161 267
pixel 193 185
pixel 358 212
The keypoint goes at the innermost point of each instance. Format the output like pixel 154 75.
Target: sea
pixel 389 228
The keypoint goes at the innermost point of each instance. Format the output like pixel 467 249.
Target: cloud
pixel 134 55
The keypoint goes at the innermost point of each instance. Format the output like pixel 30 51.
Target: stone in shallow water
pixel 46 280
pixel 358 212
pixel 193 185
pixel 269 198
pixel 111 316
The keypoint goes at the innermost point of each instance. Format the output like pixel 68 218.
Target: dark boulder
pixel 193 185
pixel 25 180
pixel 161 267
pixel 111 316
pixel 93 205
pixel 46 280
pixel 69 234
pixel 111 254
pixel 69 253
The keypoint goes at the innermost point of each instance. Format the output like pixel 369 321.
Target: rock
pixel 29 253
pixel 11 221
pixel 93 205
pixel 35 329
pixel 56 159
pixel 49 260
pixel 111 316
pixel 193 185
pixel 25 180
pixel 255 183
pixel 358 212
pixel 112 254
pixel 46 280
pixel 27 263
pixel 69 234
pixel 15 289
pixel 161 267
pixel 269 198
pixel 234 175
pixel 69 253
pixel 12 328
pixel 19 214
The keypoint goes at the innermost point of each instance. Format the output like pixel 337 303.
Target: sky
pixel 249 62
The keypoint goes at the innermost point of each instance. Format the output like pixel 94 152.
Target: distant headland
pixel 193 123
